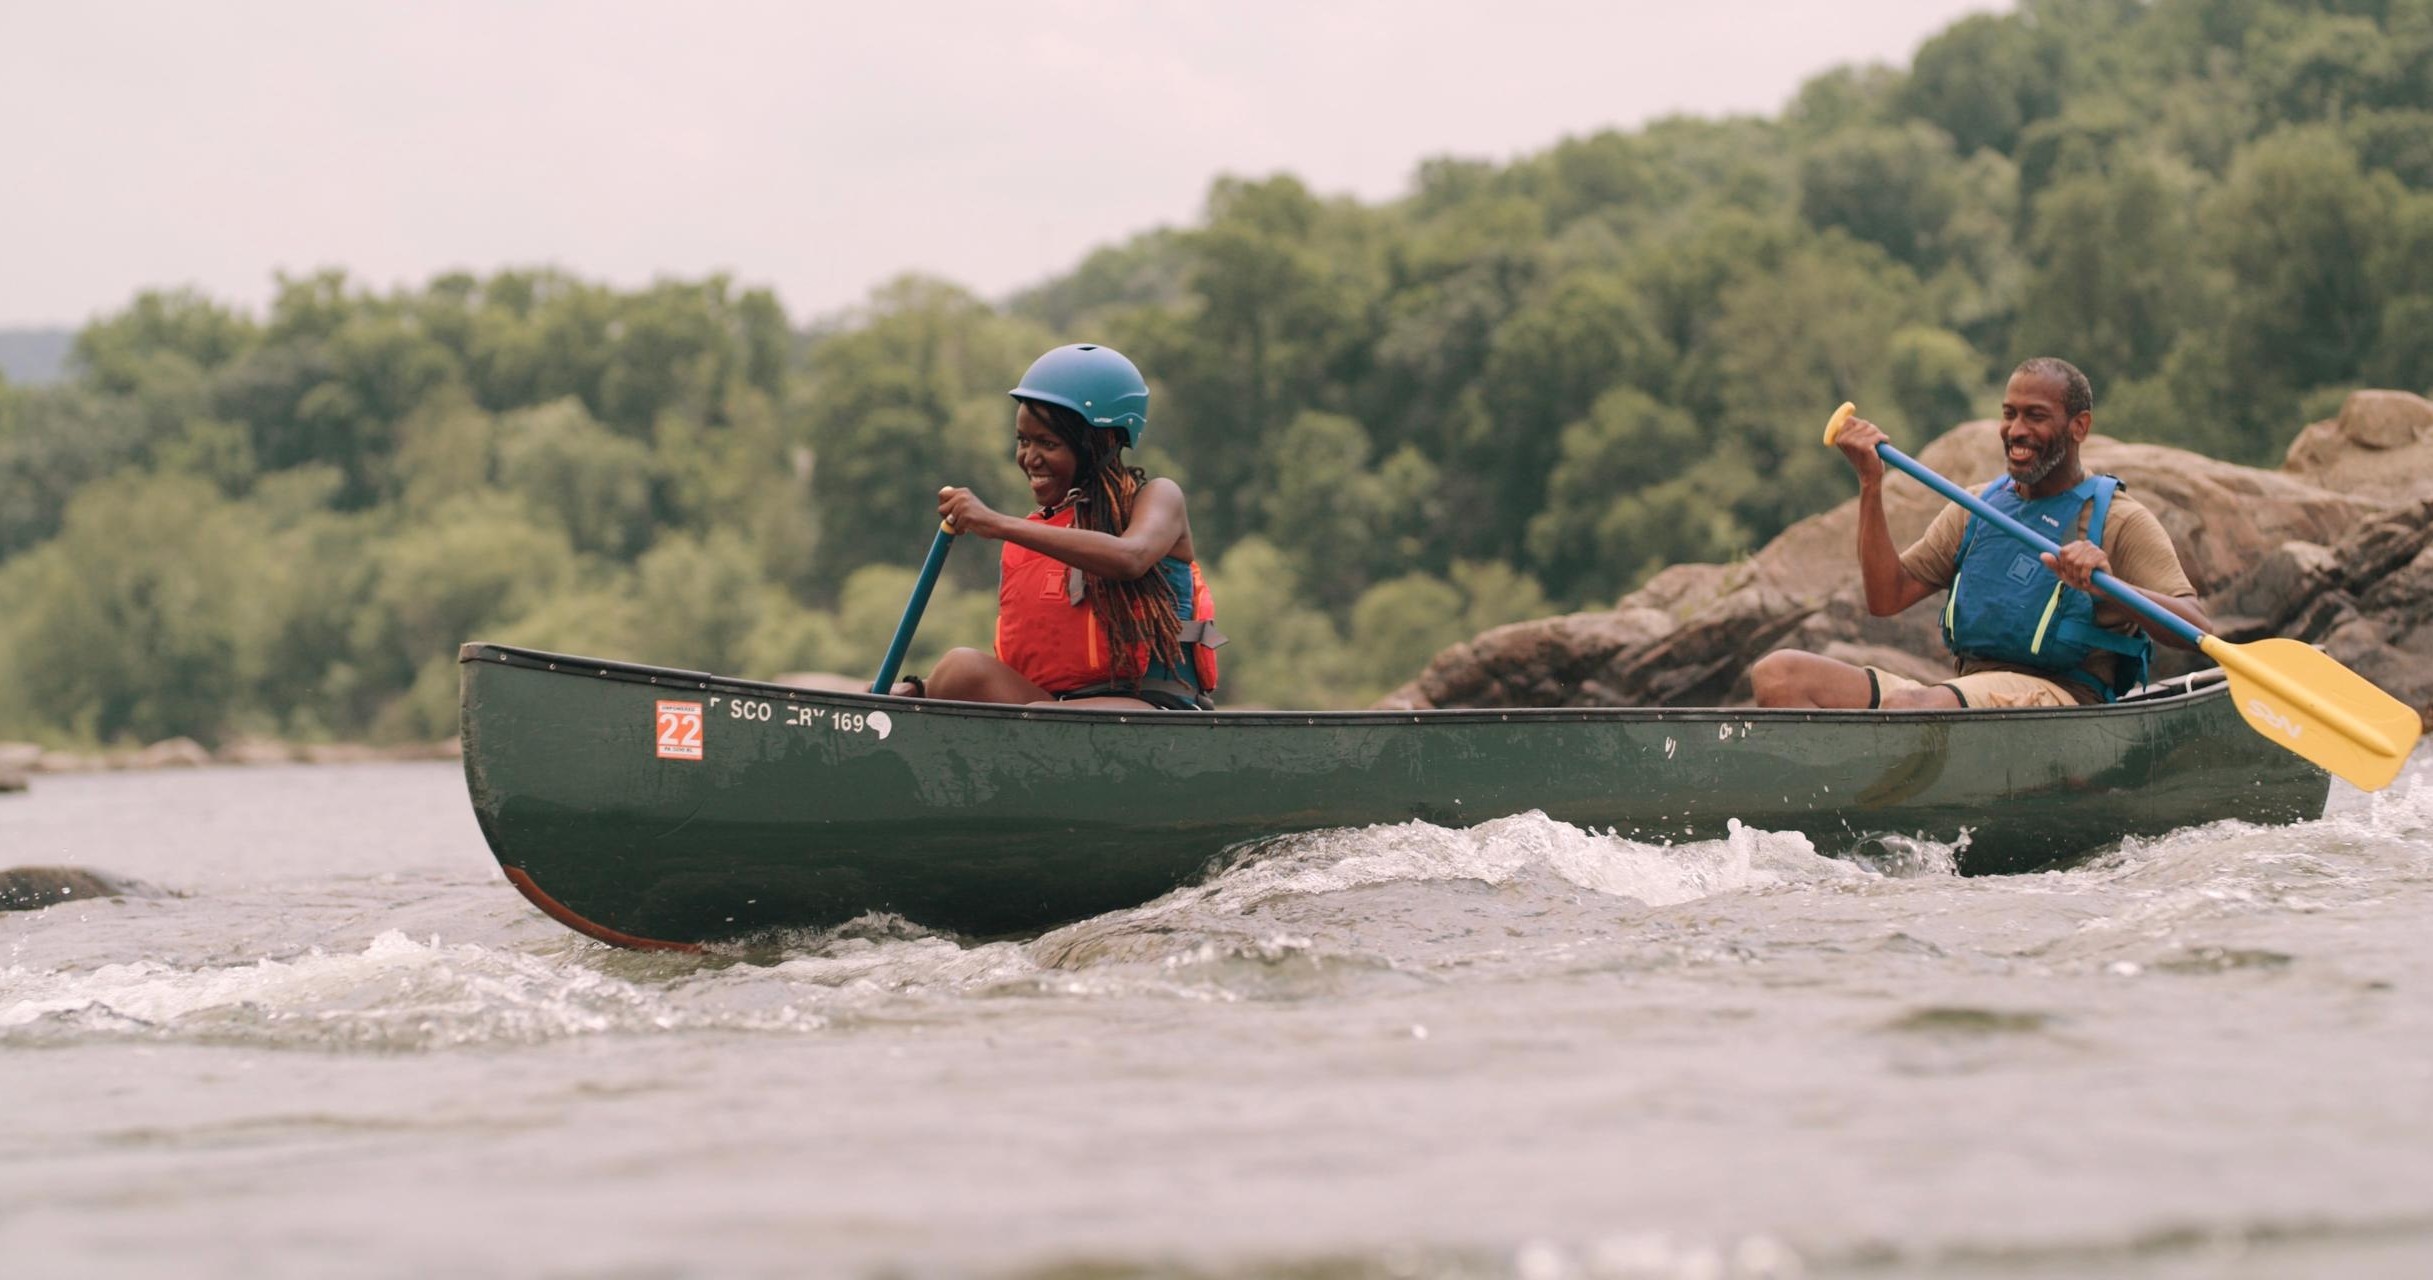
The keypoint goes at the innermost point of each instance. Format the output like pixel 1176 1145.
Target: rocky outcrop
pixel 33 888
pixel 2368 601
pixel 2381 446
pixel 17 759
pixel 175 753
pixel 2332 549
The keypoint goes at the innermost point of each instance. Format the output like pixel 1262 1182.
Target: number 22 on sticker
pixel 679 730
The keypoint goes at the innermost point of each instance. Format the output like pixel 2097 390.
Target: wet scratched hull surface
pixel 649 806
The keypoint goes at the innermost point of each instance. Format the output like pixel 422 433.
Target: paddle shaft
pixel 2121 591
pixel 2222 651
pixel 921 588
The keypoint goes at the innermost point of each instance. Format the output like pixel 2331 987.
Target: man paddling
pixel 2025 630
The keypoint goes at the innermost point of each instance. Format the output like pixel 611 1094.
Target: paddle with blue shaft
pixel 2286 690
pixel 921 588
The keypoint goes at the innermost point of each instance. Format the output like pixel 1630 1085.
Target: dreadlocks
pixel 1143 610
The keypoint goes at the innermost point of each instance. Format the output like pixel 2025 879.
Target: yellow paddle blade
pixel 1833 425
pixel 2302 699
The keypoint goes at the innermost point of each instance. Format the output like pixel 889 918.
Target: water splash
pixel 1496 852
pixel 394 994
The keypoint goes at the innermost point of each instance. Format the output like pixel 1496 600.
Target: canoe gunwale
pixel 2162 695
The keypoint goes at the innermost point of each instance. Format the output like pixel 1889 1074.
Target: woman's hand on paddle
pixel 2078 563
pixel 1857 441
pixel 964 510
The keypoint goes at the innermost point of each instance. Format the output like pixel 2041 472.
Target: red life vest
pixel 1047 630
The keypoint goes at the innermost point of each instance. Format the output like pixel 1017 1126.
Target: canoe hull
pixel 751 807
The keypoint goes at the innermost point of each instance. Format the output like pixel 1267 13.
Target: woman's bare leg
pixel 969 675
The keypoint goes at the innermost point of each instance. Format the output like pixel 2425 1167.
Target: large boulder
pixel 2380 446
pixel 2264 547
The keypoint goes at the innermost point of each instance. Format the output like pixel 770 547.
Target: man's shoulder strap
pixel 2104 488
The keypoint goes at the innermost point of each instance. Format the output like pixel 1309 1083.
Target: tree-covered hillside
pixel 1519 387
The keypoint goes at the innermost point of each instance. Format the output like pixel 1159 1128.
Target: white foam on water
pixel 395 993
pixel 1282 921
pixel 856 974
pixel 1497 852
pixel 2224 889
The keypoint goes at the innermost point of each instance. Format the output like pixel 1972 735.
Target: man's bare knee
pixel 1774 678
pixel 1796 678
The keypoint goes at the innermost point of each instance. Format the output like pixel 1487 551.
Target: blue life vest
pixel 2005 606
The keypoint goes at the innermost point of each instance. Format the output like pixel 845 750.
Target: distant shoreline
pixel 21 761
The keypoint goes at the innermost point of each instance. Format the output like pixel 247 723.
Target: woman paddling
pixel 1100 602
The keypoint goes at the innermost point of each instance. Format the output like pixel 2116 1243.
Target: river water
pixel 338 1043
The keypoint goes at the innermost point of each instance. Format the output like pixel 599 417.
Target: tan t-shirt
pixel 2137 544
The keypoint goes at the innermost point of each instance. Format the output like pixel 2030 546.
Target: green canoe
pixel 658 808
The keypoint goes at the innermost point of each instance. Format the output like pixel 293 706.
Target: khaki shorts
pixel 1983 689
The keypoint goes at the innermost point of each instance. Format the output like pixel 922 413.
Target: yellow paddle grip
pixel 1833 425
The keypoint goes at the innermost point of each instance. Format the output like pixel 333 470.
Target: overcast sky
pixel 816 148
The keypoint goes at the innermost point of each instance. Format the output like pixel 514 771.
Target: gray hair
pixel 2077 396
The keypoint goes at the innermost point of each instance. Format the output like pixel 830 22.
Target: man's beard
pixel 2044 464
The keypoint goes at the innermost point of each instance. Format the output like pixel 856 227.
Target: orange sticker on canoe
pixel 679 730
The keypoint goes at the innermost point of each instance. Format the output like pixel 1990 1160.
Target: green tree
pixel 1598 535
pixel 480 562
pixel 1935 377
pixel 912 400
pixel 1280 283
pixel 1341 520
pixel 2115 271
pixel 120 353
pixel 142 613
pixel 2325 66
pixel 1289 653
pixel 2308 235
pixel 700 601
pixel 1789 347
pixel 53 443
pixel 1550 361
pixel 596 484
pixel 1894 187
pixel 1397 626
pixel 1985 79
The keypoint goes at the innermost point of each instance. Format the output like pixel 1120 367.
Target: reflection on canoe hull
pixel 648 806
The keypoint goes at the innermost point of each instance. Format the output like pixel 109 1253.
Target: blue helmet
pixel 1094 381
